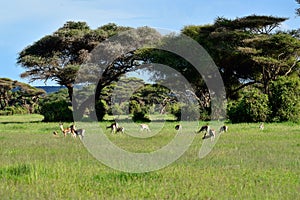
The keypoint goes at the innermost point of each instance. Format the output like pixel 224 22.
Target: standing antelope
pixel 120 129
pixel 114 127
pixel 261 126
pixel 77 132
pixel 66 131
pixel 223 128
pixel 178 127
pixel 145 127
pixel 207 130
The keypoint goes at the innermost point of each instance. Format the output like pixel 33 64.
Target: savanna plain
pixel 245 163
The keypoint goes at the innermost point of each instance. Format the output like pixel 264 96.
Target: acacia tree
pixel 272 56
pixel 58 56
pixel 284 101
pixel 227 41
pixel 17 94
pixel 112 59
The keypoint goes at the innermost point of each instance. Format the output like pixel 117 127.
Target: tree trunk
pixel 70 91
pixel 80 108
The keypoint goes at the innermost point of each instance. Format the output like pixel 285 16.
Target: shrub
pixel 55 107
pixel 139 112
pixel 253 106
pixel 175 110
pixel 285 99
pixel 54 111
pixel 11 110
pixel 116 109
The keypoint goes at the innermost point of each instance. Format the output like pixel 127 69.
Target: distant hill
pixel 50 89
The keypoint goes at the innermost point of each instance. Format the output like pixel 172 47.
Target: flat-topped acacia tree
pixel 58 56
pixel 248 50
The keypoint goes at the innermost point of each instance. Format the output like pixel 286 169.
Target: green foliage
pixel 285 99
pixel 139 112
pixel 116 109
pixel 62 94
pixel 17 97
pixel 12 110
pixel 253 106
pixel 58 56
pixel 174 109
pixel 248 51
pixel 56 111
pixel 122 89
pixel 56 107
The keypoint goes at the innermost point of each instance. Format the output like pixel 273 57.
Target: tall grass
pixel 246 163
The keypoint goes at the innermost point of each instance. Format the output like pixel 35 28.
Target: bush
pixel 175 110
pixel 253 106
pixel 54 111
pixel 285 99
pixel 139 112
pixel 55 107
pixel 116 109
pixel 11 110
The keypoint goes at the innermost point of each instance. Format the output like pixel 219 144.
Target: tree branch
pixel 244 85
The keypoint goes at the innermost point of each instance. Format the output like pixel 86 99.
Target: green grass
pixel 246 163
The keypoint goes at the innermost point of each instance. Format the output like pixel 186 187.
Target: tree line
pixel 258 62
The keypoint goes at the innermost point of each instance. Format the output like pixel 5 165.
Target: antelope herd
pixel 208 131
pixel 115 128
pixel 70 130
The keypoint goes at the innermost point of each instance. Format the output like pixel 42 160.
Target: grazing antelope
pixel 261 126
pixel 65 131
pixel 77 132
pixel 223 129
pixel 178 127
pixel 120 129
pixel 145 127
pixel 207 130
pixel 114 126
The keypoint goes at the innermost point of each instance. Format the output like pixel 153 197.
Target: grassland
pixel 246 163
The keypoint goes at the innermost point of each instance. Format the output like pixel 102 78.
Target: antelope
pixel 207 129
pixel 261 126
pixel 114 126
pixel 178 127
pixel 145 127
pixel 66 131
pixel 120 129
pixel 223 128
pixel 77 132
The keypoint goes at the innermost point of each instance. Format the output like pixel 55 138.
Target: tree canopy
pixel 17 94
pixel 248 51
pixel 58 56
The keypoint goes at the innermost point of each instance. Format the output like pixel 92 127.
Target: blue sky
pixel 24 22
